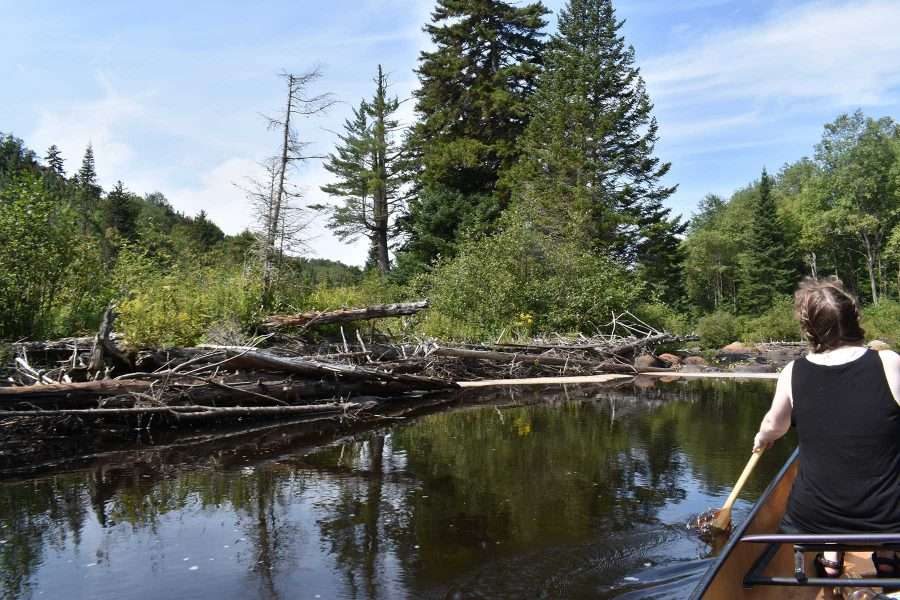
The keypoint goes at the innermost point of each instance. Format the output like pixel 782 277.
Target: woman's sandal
pixel 823 563
pixel 886 561
pixel 882 561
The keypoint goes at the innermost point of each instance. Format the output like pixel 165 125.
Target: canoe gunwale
pixel 736 535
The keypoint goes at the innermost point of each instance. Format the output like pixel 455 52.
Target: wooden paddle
pixel 722 522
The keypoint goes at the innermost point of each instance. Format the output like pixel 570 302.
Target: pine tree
pixel 371 170
pixel 122 211
pixel 473 104
pixel 588 157
pixel 766 265
pixel 54 161
pixel 87 178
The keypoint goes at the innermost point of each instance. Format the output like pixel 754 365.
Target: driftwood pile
pixel 91 383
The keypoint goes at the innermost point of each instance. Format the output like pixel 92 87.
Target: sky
pixel 171 94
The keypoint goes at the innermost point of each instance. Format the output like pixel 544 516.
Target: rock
pixel 692 368
pixel 737 348
pixel 645 361
pixel 670 359
pixel 878 345
pixel 696 360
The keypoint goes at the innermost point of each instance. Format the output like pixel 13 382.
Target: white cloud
pixel 845 54
pixel 98 122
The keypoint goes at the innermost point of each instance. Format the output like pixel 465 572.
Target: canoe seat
pixel 802 543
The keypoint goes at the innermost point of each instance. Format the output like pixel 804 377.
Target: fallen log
pixel 377 311
pixel 624 348
pixel 541 359
pixel 311 368
pixel 181 412
pixel 86 390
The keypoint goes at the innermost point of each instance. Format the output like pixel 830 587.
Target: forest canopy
pixel 526 197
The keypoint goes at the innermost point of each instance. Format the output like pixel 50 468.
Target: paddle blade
pixel 722 520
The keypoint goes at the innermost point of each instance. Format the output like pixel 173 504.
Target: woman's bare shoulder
pixel 889 358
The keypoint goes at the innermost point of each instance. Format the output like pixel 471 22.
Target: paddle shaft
pixel 754 458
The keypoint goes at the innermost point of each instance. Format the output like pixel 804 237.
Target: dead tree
pixel 280 222
pixel 377 311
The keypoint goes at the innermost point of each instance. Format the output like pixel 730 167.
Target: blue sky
pixel 171 93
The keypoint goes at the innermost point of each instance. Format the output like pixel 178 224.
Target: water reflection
pixel 572 492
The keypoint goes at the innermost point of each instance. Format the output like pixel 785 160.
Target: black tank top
pixel 848 425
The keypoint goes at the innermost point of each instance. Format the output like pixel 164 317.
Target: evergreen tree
pixel 588 157
pixel 473 104
pixel 371 170
pixel 204 232
pixel 54 161
pixel 87 179
pixel 122 211
pixel 766 265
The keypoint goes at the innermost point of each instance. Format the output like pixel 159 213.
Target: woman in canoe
pixel 844 400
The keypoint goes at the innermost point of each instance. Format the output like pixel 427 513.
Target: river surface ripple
pixel 575 492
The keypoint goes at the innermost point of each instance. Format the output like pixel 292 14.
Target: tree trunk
pixel 870 268
pixel 377 311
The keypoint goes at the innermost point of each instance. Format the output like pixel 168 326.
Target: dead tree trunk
pixel 377 311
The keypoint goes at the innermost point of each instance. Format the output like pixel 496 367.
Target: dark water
pixel 566 493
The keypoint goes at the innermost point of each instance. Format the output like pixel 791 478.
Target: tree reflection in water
pixel 561 490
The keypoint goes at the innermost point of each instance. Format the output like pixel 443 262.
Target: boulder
pixel 670 359
pixel 878 345
pixel 696 360
pixel 692 368
pixel 645 361
pixel 737 348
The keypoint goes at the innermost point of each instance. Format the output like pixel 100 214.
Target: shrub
pixel 178 304
pixel 776 324
pixel 518 282
pixel 882 322
pixel 718 329
pixel 663 317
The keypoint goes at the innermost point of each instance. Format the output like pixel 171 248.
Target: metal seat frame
pixel 844 542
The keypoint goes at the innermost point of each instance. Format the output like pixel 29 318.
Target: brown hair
pixel 828 314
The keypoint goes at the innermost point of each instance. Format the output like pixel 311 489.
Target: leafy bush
pixel 177 305
pixel 882 322
pixel 663 317
pixel 776 324
pixel 718 329
pixel 518 282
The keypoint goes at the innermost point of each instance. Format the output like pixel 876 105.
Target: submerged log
pixel 377 311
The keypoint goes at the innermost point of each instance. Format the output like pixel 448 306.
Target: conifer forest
pixel 527 197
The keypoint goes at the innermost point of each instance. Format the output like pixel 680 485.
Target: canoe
pixel 758 563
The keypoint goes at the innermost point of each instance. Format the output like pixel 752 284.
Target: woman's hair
pixel 828 314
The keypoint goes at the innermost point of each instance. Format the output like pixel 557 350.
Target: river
pixel 576 492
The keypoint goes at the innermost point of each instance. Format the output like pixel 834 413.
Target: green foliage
pixel 882 322
pixel 371 171
pixel 518 282
pixel 42 255
pixel 473 104
pixel 777 323
pixel 718 329
pixel 663 317
pixel 765 265
pixel 177 305
pixel 588 150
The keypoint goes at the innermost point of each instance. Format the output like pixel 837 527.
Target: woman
pixel 844 400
